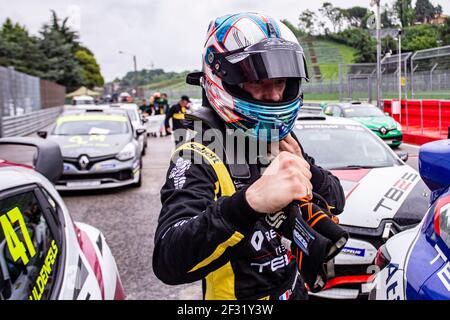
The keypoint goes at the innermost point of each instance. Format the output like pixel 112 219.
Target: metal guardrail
pixel 28 123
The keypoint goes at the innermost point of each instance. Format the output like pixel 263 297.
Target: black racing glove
pixel 315 239
pixel 324 223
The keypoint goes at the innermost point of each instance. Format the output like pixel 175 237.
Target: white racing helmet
pixel 248 47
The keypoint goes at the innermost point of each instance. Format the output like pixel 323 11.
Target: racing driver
pixel 219 218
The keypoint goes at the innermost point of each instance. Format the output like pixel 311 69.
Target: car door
pixel 31 246
pixel 437 286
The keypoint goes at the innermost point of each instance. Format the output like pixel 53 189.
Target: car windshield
pixel 363 111
pixel 344 146
pixel 91 125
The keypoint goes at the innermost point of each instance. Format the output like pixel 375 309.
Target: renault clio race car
pixel 44 254
pixel 99 149
pixel 383 196
pixel 370 116
pixel 415 264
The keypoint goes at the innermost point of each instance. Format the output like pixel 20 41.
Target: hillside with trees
pixel 353 26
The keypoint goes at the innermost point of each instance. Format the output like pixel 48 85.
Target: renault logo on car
pixel 383 130
pixel 84 162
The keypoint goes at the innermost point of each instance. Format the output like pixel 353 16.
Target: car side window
pixel 444 224
pixel 328 111
pixel 29 251
pixel 337 112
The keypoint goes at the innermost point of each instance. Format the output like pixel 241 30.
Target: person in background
pixel 151 105
pixel 177 113
pixel 159 109
pixel 164 107
pixel 143 106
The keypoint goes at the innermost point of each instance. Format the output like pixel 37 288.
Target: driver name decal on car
pixel 44 274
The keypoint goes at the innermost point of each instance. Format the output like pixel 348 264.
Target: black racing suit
pixel 224 241
pixel 177 113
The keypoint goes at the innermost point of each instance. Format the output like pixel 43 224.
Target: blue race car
pixel 415 264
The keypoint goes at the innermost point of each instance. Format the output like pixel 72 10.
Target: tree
pixel 323 27
pixel 61 65
pixel 366 49
pixel 355 15
pixel 420 37
pixel 19 50
pixel 333 14
pixel 306 21
pixel 91 70
pixel 445 32
pixel 405 12
pixel 424 10
pixel 297 32
pixel 387 17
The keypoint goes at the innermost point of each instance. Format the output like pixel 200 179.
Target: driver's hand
pixel 286 179
pixel 289 144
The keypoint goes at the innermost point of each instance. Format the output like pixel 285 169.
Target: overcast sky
pixel 166 33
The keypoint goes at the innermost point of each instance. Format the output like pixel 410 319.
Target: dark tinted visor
pixel 272 58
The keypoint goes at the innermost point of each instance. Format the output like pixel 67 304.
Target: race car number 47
pixel 16 247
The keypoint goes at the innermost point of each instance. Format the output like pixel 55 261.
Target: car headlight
pixel 127 153
pixel 399 126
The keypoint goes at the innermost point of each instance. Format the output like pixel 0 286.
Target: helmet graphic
pixel 248 47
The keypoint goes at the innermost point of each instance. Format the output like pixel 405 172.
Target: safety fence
pixel 21 93
pixel 422 120
pixel 52 94
pixel 16 126
pixel 22 97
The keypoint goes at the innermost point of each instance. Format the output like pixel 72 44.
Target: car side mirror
pixel 48 160
pixel 140 132
pixel 403 155
pixel 434 166
pixel 42 134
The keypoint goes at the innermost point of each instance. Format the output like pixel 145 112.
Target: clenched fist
pixel 286 179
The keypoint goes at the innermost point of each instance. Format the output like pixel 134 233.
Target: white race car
pixel 383 196
pixel 44 254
